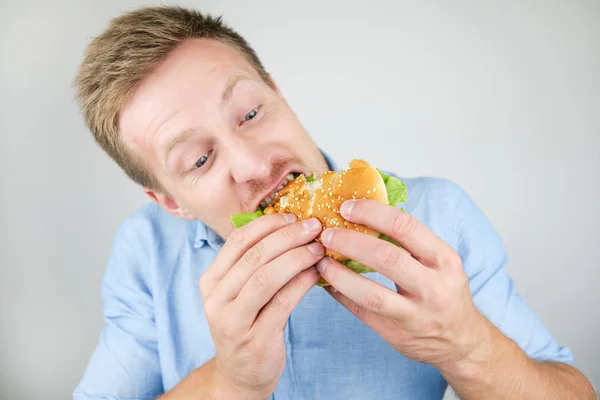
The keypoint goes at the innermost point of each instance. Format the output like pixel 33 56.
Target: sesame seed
pixel 353 196
pixel 368 192
pixel 374 190
pixel 356 229
pixel 355 192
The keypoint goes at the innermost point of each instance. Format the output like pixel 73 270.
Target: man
pixel 196 310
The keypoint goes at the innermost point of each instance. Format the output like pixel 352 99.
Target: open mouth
pixel 267 200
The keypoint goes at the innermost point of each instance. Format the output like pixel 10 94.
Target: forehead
pixel 193 75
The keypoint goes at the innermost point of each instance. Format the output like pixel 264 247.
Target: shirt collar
pixel 205 235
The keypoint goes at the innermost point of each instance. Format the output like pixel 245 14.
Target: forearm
pixel 205 383
pixel 500 370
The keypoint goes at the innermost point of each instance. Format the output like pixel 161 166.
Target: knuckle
pixel 357 310
pixel 237 236
pixel 260 280
pixel 280 301
pixel 209 310
pixel 448 258
pixel 300 256
pixel 387 255
pixel 374 301
pixel 287 234
pixel 402 223
pixel 254 255
pixel 203 285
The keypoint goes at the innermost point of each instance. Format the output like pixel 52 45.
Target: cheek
pixel 286 127
pixel 211 203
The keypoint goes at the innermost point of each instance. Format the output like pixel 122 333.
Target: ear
pixel 169 204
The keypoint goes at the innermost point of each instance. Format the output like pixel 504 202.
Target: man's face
pixel 215 135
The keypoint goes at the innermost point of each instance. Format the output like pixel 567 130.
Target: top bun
pixel 323 197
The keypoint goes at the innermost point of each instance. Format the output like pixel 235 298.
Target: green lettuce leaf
pixel 388 239
pixel 396 189
pixel 310 178
pixel 357 267
pixel 243 219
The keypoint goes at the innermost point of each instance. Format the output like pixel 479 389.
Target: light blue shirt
pixel 156 332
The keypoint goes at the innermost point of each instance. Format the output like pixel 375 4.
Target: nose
pixel 247 163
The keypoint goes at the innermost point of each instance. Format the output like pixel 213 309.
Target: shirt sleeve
pixel 125 363
pixel 485 261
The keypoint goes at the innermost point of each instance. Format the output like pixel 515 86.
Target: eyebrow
pixel 225 97
pixel 231 82
pixel 176 141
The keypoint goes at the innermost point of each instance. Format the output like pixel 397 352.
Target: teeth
pixel 265 203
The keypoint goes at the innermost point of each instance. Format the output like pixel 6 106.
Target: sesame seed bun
pixel 323 197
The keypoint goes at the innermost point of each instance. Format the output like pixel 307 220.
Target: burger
pixel 321 196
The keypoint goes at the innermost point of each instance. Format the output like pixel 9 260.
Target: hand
pixel 262 272
pixel 431 316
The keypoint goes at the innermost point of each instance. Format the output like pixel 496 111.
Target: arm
pixel 262 272
pixel 202 383
pixel 125 363
pixel 501 370
pixel 456 310
pixel 519 358
pixel 249 291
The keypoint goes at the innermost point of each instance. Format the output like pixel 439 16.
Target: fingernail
pixel 289 218
pixel 346 208
pixel 322 264
pixel 311 225
pixel 326 236
pixel 316 248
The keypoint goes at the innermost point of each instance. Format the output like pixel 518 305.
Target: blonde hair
pixel 130 49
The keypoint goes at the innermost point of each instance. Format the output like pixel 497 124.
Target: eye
pixel 202 160
pixel 251 115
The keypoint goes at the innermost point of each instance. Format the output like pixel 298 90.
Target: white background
pixel 500 97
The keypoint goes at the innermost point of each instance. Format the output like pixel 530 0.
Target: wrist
pixel 224 388
pixel 475 356
pixel 478 367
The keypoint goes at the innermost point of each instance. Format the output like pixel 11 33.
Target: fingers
pixel 391 261
pixel 378 323
pixel 415 237
pixel 277 311
pixel 263 286
pixel 364 292
pixel 262 253
pixel 237 244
